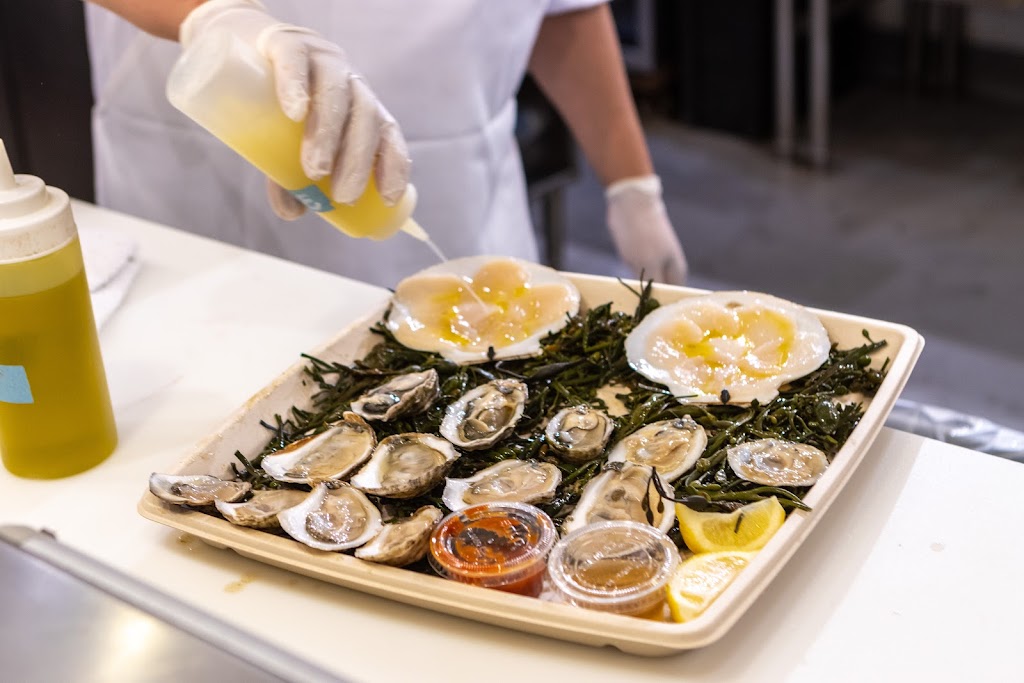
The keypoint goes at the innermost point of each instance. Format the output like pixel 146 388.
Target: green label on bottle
pixel 313 198
pixel 14 386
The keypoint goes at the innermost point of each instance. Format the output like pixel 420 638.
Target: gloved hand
pixel 642 232
pixel 348 132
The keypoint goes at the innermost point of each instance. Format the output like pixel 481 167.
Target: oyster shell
pixel 484 415
pixel 260 511
pixel 774 462
pixel 579 433
pixel 623 492
pixel 669 446
pixel 405 465
pixel 335 517
pixel 509 481
pixel 331 454
pixel 403 542
pixel 196 490
pixel 407 394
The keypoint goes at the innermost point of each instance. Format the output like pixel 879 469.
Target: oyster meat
pixel 407 394
pixel 196 490
pixel 509 481
pixel 331 454
pixel 405 465
pixel 669 446
pixel 335 517
pixel 484 415
pixel 774 462
pixel 260 511
pixel 579 433
pixel 623 492
pixel 402 542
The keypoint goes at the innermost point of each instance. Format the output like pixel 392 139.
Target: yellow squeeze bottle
pixel 55 414
pixel 225 86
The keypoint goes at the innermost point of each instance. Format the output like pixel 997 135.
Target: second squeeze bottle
pixel 226 86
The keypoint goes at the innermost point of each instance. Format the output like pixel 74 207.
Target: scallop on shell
pixel 484 415
pixel 336 517
pixel 579 433
pixel 623 492
pixel 196 490
pixel 403 542
pixel 509 481
pixel 407 394
pixel 671 447
pixel 774 462
pixel 260 511
pixel 331 454
pixel 405 465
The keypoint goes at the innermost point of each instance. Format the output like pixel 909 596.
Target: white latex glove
pixel 642 232
pixel 348 135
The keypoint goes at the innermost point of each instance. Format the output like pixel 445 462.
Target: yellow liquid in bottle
pixel 47 330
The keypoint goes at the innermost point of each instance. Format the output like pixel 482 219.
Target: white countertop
pixel 912 574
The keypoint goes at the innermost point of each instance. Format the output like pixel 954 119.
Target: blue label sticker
pixel 14 386
pixel 314 198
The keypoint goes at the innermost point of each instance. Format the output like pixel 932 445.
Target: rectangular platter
pixel 242 431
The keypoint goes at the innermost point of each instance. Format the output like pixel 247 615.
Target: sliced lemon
pixel 747 528
pixel 702 578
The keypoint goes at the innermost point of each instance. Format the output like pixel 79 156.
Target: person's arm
pixel 162 18
pixel 577 62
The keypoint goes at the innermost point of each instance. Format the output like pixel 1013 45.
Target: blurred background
pixel 859 156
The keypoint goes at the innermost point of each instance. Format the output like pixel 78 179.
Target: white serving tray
pixel 242 431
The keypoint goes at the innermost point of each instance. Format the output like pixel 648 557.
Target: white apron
pixel 448 70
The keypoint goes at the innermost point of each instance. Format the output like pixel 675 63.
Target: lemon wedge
pixel 702 578
pixel 747 528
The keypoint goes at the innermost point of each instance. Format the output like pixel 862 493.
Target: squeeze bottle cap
pixel 34 219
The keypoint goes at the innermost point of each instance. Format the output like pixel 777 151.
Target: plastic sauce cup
pixel 619 567
pixel 496 545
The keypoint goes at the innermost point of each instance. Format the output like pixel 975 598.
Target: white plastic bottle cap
pixel 34 219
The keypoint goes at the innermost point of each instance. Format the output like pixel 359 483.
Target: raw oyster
pixel 335 517
pixel 579 433
pixel 774 462
pixel 260 511
pixel 403 395
pixel 484 415
pixel 196 490
pixel 405 465
pixel 331 454
pixel 509 481
pixel 669 446
pixel 624 491
pixel 403 542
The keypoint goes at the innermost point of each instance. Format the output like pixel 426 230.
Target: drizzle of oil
pixel 237 586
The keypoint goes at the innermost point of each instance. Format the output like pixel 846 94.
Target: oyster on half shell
pixel 196 490
pixel 509 481
pixel 484 415
pixel 402 542
pixel 623 492
pixel 774 462
pixel 260 511
pixel 407 394
pixel 405 465
pixel 331 454
pixel 671 447
pixel 335 517
pixel 579 433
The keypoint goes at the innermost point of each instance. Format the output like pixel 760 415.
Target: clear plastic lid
pixel 492 544
pixel 620 567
